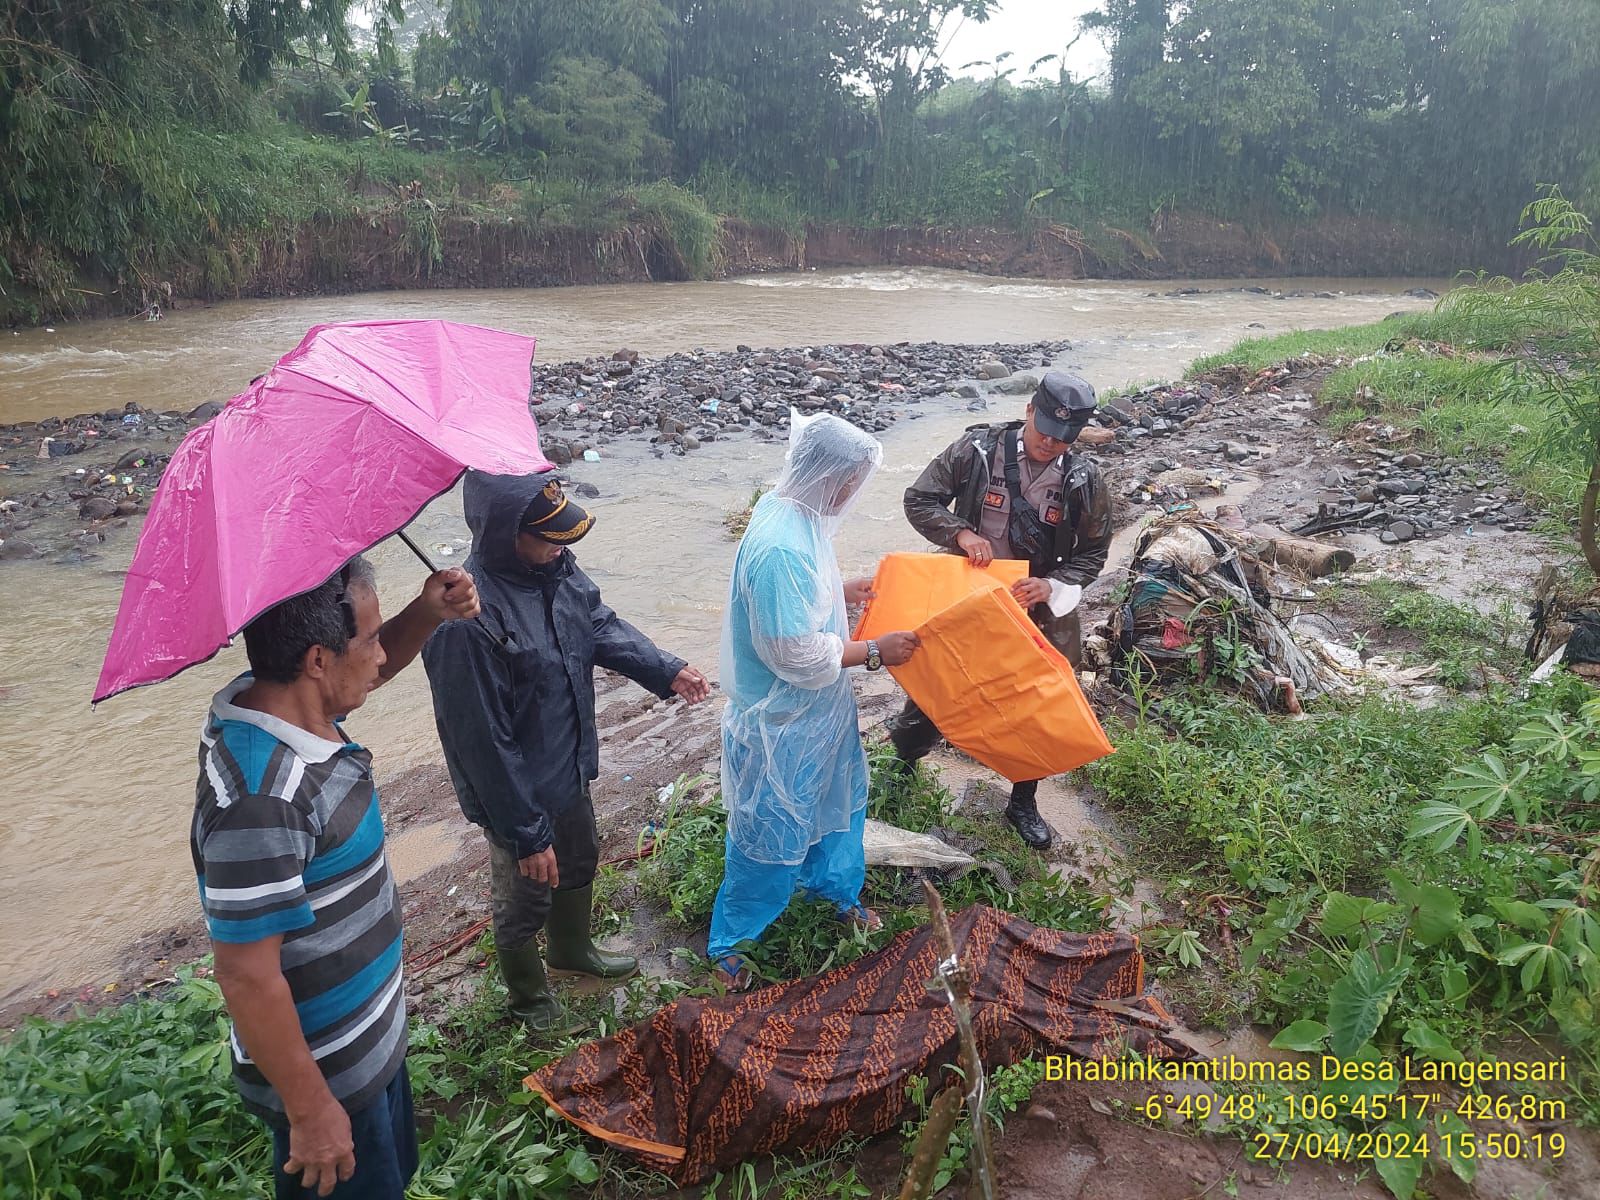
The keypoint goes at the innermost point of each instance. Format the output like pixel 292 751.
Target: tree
pixel 596 118
pixel 1135 34
pixel 511 44
pixel 758 87
pixel 900 43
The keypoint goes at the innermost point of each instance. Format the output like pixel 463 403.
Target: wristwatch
pixel 874 659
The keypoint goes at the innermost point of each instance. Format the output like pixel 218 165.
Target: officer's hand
pixel 1031 591
pixel 541 867
pixel 977 549
pixel 691 685
pixel 897 648
pixel 450 595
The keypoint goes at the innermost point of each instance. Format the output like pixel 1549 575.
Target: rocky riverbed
pixel 686 400
pixel 1180 441
pixel 66 486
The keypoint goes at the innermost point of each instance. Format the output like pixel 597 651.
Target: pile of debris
pixel 685 400
pixel 1199 606
pixel 1407 495
pixel 68 480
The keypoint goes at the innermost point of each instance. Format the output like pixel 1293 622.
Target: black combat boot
pixel 1023 813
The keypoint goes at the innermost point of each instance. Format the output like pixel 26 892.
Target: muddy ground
pixel 1266 449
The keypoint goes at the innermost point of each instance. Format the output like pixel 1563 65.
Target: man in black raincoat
pixel 513 695
pixel 1019 491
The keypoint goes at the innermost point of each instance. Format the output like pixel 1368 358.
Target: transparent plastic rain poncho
pixel 793 770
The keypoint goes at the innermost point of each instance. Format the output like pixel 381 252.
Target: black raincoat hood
pixel 494 506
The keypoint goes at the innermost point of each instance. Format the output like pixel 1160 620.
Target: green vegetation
pixel 1498 369
pixel 683 875
pixel 138 1098
pixel 134 165
pixel 1345 341
pixel 1378 881
pixel 1471 649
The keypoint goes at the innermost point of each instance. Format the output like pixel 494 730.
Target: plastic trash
pixel 591 456
pixel 711 405
pixel 890 846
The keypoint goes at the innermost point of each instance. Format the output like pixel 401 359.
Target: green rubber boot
pixel 568 945
pixel 529 996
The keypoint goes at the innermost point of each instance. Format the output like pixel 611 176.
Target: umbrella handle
pixel 418 551
pixel 500 639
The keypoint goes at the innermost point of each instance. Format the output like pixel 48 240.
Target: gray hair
pixel 276 641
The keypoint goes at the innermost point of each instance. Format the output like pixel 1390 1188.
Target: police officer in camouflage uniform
pixel 1019 491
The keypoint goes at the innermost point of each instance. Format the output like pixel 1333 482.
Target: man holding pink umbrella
pixel 288 846
pixel 256 528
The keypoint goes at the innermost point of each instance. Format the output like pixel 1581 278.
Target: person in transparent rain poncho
pixel 794 774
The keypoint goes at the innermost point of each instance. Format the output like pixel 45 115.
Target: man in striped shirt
pixel 288 846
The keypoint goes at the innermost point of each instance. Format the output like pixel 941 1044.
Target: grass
pixel 682 878
pixel 1435 376
pixel 1454 405
pixel 1239 800
pixel 1345 341
pixel 737 521
pixel 1292 848
pixel 1469 647
pixel 138 1099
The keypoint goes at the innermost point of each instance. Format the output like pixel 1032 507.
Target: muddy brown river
pixel 93 833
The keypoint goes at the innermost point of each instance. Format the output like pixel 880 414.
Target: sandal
pixel 862 918
pixel 732 975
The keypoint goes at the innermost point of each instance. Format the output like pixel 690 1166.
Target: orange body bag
pixel 984 674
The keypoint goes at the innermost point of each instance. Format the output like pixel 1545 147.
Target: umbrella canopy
pixel 340 445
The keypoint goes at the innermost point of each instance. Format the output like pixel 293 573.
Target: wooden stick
pixel 958 989
pixel 931 1142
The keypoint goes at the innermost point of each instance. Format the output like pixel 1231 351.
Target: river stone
pixel 690 442
pixel 97 508
pixel 18 548
pixel 1402 531
pixel 1021 384
pixel 1401 486
pixel 558 454
pixel 130 458
pixel 204 412
pixel 968 392
pixel 993 369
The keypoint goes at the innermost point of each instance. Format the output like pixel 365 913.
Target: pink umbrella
pixel 337 447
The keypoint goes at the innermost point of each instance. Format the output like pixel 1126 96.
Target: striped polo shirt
pixel 288 839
